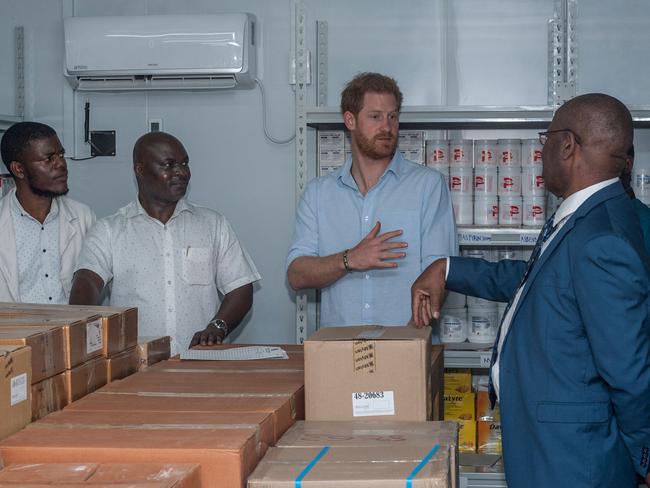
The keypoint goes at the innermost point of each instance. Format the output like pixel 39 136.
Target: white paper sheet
pixel 236 353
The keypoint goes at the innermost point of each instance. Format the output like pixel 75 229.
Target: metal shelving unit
pixel 464 117
pixel 467 355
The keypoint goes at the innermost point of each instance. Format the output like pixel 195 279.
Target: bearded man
pixel 366 231
pixel 41 229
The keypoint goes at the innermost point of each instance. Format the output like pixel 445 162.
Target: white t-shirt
pixel 172 271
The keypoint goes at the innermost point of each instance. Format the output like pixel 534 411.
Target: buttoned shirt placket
pixel 170 281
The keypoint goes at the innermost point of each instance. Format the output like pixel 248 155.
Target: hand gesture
pixel 428 293
pixel 208 337
pixel 374 251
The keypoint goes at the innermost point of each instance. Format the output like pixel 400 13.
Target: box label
pixel 370 403
pixel 94 339
pixel 363 356
pixel 18 389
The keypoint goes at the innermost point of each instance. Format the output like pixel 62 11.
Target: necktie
pixel 546 232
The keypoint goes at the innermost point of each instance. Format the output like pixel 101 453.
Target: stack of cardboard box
pixel 371 393
pixel 15 381
pixel 75 349
pixel 219 415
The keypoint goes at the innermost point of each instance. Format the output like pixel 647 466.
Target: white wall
pixel 456 51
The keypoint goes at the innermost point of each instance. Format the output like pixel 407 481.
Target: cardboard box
pixel 284 411
pixel 83 334
pixel 48 349
pixel 86 378
pixel 15 391
pixel 226 455
pixel 458 380
pixel 483 410
pixel 49 395
pixel 123 364
pixel 369 372
pixel 459 406
pixel 119 324
pixel 466 436
pixel 362 454
pixel 489 437
pixel 152 350
pixel 92 474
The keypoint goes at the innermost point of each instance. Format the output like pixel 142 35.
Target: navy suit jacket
pixel 574 370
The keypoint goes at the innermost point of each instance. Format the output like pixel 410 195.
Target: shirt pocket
pixel 197 266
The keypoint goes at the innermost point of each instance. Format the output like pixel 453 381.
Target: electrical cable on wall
pixel 86 132
pixel 266 132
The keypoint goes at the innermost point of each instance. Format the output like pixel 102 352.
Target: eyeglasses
pixel 50 159
pixel 543 136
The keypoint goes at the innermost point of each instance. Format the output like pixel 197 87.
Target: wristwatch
pixel 221 325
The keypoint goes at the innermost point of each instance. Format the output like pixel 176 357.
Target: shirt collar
pixel 19 211
pixel 397 167
pixel 573 201
pixel 137 209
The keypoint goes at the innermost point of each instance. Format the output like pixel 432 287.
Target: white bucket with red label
pixel 486 210
pixel 531 152
pixel 461 180
pixel 534 211
pixel 509 181
pixel 510 210
pixel 532 181
pixel 460 152
pixel 509 152
pixel 485 180
pixel 437 151
pixel 485 152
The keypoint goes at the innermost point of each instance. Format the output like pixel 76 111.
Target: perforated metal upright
pixel 301 58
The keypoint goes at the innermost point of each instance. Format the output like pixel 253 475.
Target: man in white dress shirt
pixel 167 256
pixel 41 229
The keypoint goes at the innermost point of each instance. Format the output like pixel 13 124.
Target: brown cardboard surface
pixel 119 324
pixel 260 424
pixel 369 372
pixel 15 390
pixel 48 349
pixel 241 383
pixel 362 454
pixel 226 456
pixel 49 395
pixel 284 410
pixel 91 474
pixel 85 378
pixel 152 350
pixel 123 364
pixel 80 343
pixel 143 484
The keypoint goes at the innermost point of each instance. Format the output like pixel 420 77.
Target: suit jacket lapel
pixel 597 198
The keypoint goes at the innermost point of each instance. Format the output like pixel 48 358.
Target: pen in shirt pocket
pixel 187 251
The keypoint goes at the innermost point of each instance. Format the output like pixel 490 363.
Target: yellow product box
pixel 458 380
pixel 483 410
pixel 459 406
pixel 466 436
pixel 489 437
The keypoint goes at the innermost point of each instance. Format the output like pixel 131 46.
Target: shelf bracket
pixel 19 36
pixel 322 62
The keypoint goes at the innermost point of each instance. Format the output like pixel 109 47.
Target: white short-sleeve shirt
pixel 171 271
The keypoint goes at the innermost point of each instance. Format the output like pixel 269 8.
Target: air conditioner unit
pixel 160 52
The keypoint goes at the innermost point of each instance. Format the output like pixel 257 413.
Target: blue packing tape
pixel 418 468
pixel 309 467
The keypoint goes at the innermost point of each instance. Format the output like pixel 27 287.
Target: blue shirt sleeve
pixel 439 238
pixel 305 234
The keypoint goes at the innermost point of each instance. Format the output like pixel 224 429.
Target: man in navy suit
pixel 571 364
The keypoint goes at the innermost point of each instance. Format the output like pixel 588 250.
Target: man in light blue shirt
pixel 364 233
